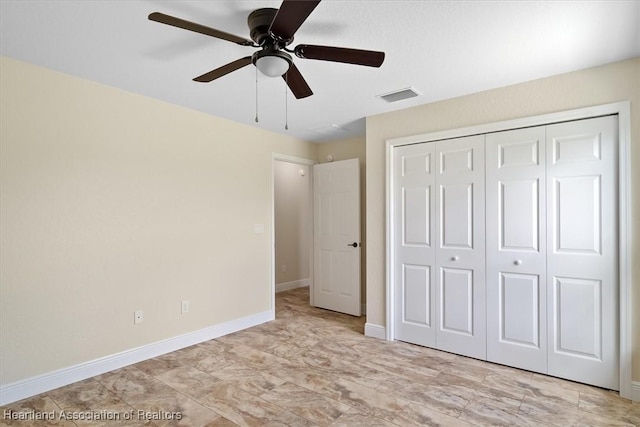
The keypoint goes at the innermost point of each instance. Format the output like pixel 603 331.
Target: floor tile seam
pixel 386 420
pixel 551 400
pixel 146 375
pixel 604 415
pixel 501 390
pixel 302 416
pixel 551 387
pixel 482 424
pixel 255 348
pixel 136 408
pixel 407 377
pixel 375 372
pixel 428 408
pixel 449 393
pixel 326 393
pixel 218 413
pixel 481 397
pixel 48 394
pixel 548 420
pixel 401 401
pixel 617 399
pixel 329 392
pixel 391 364
pixel 236 408
pixel 585 406
pixel 192 397
pixel 297 342
pixel 504 393
pixel 334 422
pixel 516 412
pixel 183 393
pixel 331 356
pixel 238 386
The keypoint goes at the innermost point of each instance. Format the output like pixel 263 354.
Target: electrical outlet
pixel 185 307
pixel 138 317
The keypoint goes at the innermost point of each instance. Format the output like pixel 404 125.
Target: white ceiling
pixel 443 49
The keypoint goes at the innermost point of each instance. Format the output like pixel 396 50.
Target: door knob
pixel 354 244
pixel 455 258
pixel 518 262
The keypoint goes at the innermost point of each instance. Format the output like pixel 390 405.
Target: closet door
pixel 516 249
pixel 582 279
pixel 460 261
pixel 414 247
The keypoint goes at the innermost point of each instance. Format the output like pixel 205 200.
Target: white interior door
pixel 460 254
pixel 336 195
pixel 414 246
pixel 516 249
pixel 582 255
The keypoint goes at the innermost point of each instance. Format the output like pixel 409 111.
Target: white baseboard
pixel 375 331
pixel 285 286
pixel 31 386
pixel 635 391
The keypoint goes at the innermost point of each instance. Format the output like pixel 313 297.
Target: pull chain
pixel 256 94
pixel 286 105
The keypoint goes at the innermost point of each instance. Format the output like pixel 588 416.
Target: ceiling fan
pixel 272 30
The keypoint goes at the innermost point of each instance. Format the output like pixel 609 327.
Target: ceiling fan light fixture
pixel 272 66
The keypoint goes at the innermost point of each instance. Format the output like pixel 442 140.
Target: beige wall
pixel 293 221
pixel 112 202
pixel 601 85
pixel 352 148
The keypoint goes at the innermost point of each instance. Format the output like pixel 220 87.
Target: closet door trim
pixel 623 111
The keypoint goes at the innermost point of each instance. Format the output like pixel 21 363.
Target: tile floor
pixel 312 367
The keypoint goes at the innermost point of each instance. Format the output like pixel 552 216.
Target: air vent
pixel 399 95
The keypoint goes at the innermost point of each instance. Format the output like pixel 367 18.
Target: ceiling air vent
pixel 399 95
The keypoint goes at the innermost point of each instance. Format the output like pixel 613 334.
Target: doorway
pixel 292 217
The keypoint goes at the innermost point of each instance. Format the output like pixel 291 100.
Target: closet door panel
pixel 516 249
pixel 414 263
pixel 519 310
pixel 456 310
pixel 582 277
pixel 460 262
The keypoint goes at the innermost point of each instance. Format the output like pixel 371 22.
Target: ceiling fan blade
pixel 370 58
pixel 192 26
pixel 224 70
pixel 297 83
pixel 290 16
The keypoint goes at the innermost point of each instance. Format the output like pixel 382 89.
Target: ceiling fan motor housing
pixel 259 22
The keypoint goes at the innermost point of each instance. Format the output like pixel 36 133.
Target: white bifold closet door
pixel 414 243
pixel 516 249
pixel 460 262
pixel 582 254
pixel 439 252
pixel 549 299
pixel 551 250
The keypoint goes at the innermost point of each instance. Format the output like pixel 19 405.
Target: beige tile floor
pixel 312 367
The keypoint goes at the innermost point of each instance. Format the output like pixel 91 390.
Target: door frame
pixel 623 111
pixel 277 157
